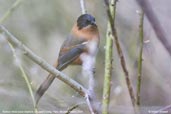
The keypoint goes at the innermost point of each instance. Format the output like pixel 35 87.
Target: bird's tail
pixel 64 61
pixel 43 87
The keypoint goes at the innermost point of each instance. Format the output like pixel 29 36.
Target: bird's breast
pixel 88 58
pixel 92 46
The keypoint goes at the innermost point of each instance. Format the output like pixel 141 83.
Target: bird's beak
pixel 93 23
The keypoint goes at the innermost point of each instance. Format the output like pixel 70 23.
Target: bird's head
pixel 86 20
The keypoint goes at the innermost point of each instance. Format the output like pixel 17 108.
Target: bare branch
pixel 120 53
pixel 141 36
pixel 10 10
pixel 145 5
pixel 90 96
pixel 108 65
pixel 71 109
pixel 166 108
pixel 42 63
pixel 24 75
pixel 83 7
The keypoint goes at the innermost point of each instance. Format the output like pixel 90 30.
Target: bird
pixel 79 48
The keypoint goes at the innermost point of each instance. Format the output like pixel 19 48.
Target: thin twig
pixel 141 36
pixel 120 53
pixel 108 66
pixel 42 63
pixel 166 108
pixel 83 7
pixel 90 98
pixel 10 10
pixel 24 75
pixel 74 107
pixel 90 106
pixel 71 109
pixel 4 17
pixel 147 8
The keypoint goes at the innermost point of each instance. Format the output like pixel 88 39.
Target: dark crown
pixel 85 20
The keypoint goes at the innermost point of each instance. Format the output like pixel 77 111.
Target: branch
pixel 141 36
pixel 90 96
pixel 166 108
pixel 83 7
pixel 10 10
pixel 42 63
pixel 120 53
pixel 4 17
pixel 71 109
pixel 108 65
pixel 145 5
pixel 24 76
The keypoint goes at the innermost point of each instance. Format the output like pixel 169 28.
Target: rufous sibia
pixel 79 48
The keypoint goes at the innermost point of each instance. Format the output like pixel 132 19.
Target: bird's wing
pixel 71 42
pixel 68 53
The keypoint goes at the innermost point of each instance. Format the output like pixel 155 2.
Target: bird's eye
pixel 87 21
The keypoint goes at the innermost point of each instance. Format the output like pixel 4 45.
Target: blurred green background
pixel 42 25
